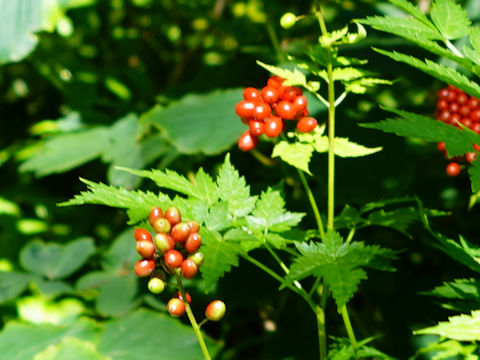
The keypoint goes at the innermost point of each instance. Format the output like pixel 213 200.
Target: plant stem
pixel 331 126
pixel 350 236
pixel 191 317
pixel 348 327
pixel 281 263
pixel 274 39
pixel 322 332
pixel 313 203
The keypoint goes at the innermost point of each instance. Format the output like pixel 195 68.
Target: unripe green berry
pixel 156 285
pixel 288 20
pixel 162 225
pixel 197 257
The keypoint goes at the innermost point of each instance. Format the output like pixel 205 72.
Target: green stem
pixel 274 39
pixel 281 263
pixel 322 332
pixel 331 126
pixel 350 236
pixel 348 327
pixel 313 203
pixel 191 317
pixel 264 160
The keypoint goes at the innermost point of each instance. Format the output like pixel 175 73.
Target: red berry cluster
pixel 454 107
pixel 174 248
pixel 265 111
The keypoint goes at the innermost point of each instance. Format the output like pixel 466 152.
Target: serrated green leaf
pixel 220 256
pixel 56 261
pixel 412 10
pixel 342 74
pixel 296 154
pixel 409 28
pixel 472 55
pixel 461 327
pixel 338 263
pixel 441 72
pixel 458 142
pixel 360 86
pixel 205 187
pixel 292 78
pixel 246 240
pixel 138 203
pixel 474 172
pixel 447 349
pixel 462 289
pixel 329 39
pixel 233 189
pixel 218 218
pixel 475 38
pixel 270 214
pixel 450 19
pixel 190 122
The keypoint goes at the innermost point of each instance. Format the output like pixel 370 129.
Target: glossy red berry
pixel 441 146
pixel 193 243
pixel 176 307
pixel 247 141
pixel 142 235
pixel 173 258
pixel 194 226
pixel 178 295
pixel 146 249
pixel 476 127
pixel 172 214
pixel 256 127
pixel 464 110
pixel 462 99
pixel 306 124
pixel 453 169
pixel 144 268
pixel 275 81
pixel 197 257
pixel 273 126
pixel 252 94
pixel 473 103
pixel 471 156
pixel 442 104
pixel 156 285
pixel 261 111
pixel 155 213
pixel 180 232
pixel 475 115
pixel 300 104
pixel 289 93
pixel 285 110
pixel 162 225
pixel 443 93
pixel 245 108
pixel 454 119
pixel 269 94
pixel 189 268
pixel 215 310
pixel 476 147
pixel 164 242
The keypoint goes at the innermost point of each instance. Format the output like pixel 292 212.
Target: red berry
pixel 464 110
pixel 245 108
pixel 155 213
pixel 443 93
pixel 162 225
pixel 454 119
pixel 144 268
pixel 289 93
pixel 256 127
pixel 146 249
pixel 285 110
pixel 273 126
pixel 261 111
pixel 476 147
pixel 164 242
pixel 142 235
pixel 197 257
pixel 251 94
pixel 473 103
pixel 215 310
pixel 444 116
pixel 441 146
pixel 462 98
pixel 476 127
pixel 180 232
pixel 269 94
pixel 453 107
pixel 306 124
pixel 189 268
pixel 193 243
pixel 173 258
pixel 172 214
pixel 300 104
pixel 453 169
pixel 470 156
pixel 467 122
pixel 247 141
pixel 452 96
pixel 178 295
pixel 442 104
pixel 475 115
pixel 156 285
pixel 194 226
pixel 275 81
pixel 176 307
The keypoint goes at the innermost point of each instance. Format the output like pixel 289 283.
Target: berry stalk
pixel 191 317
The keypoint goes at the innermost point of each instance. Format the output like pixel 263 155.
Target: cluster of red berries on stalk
pixel 265 111
pixel 174 248
pixel 455 107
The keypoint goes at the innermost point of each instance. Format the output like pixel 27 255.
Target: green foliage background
pixel 87 86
